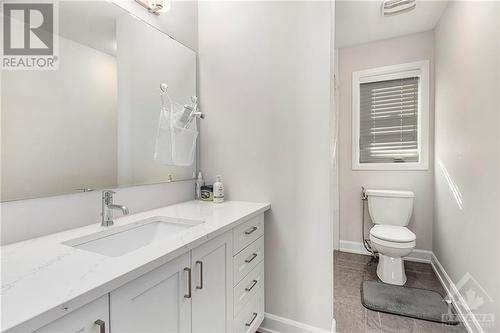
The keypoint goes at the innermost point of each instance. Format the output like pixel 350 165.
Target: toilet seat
pixel 392 233
pixel 394 245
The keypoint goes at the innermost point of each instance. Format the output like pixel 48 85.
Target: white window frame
pixel 414 69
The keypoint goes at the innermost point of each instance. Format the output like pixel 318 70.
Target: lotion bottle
pixel 218 190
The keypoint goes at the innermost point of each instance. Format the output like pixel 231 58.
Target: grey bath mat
pixel 410 302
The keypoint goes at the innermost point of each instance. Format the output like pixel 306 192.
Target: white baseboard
pixel 357 247
pixel 277 324
pixel 466 316
pixel 352 247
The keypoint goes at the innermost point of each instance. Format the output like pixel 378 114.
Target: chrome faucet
pixel 108 206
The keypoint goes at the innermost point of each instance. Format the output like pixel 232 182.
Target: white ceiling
pixel 358 22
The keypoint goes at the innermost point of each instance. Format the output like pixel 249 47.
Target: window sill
pixel 391 167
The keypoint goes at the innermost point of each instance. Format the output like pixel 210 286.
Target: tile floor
pixel 352 317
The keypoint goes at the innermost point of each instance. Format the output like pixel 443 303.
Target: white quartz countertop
pixel 42 279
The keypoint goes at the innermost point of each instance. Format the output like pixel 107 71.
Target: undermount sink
pixel 122 240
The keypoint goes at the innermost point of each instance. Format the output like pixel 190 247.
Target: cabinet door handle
pixel 188 287
pixel 254 315
pixel 251 258
pixel 250 287
pixel 251 230
pixel 101 324
pixel 200 280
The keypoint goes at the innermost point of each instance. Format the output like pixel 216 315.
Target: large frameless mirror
pixel 92 123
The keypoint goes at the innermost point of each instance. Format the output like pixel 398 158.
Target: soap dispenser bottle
pixel 218 190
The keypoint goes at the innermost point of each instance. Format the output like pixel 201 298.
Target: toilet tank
pixel 390 207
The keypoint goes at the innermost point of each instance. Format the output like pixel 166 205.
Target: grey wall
pixel 365 56
pixel 31 218
pixel 467 159
pixel 265 88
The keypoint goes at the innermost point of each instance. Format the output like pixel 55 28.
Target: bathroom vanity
pixel 189 267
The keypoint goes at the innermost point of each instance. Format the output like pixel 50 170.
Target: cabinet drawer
pixel 252 314
pixel 247 259
pixel 247 233
pixel 248 287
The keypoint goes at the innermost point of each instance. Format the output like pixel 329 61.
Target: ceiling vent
pixel 393 7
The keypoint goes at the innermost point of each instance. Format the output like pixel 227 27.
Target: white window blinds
pixel 389 121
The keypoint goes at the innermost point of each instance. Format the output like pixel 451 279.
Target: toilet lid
pixel 393 233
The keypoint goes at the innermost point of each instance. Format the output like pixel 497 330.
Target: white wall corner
pixel 276 324
pixel 358 248
pixel 466 315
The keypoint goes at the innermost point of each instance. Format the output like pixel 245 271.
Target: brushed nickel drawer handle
pixel 254 282
pixel 251 230
pixel 101 324
pixel 188 287
pixel 252 257
pixel 254 315
pixel 200 281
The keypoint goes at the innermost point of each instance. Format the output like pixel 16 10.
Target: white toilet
pixel 391 212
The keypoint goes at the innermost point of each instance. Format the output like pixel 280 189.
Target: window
pixel 391 117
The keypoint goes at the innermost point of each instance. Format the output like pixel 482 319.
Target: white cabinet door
pixel 90 318
pixel 212 285
pixel 155 302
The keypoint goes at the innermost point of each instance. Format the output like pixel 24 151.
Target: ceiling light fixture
pixel 155 6
pixel 392 7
